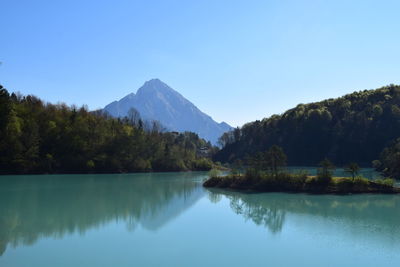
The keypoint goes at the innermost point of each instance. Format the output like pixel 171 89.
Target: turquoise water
pixel 171 220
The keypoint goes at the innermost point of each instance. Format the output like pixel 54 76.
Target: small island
pixel 265 174
pixel 293 183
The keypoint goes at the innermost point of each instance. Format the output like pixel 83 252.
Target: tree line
pixel 38 137
pixel 353 128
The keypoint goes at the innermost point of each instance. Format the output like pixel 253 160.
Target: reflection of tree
pixel 270 209
pixel 214 198
pixel 271 218
pixel 32 208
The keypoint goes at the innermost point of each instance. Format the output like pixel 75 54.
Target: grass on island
pixel 260 181
pixel 264 173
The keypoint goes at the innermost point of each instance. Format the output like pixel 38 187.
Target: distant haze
pixel 156 101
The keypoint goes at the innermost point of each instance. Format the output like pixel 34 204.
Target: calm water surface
pixel 170 220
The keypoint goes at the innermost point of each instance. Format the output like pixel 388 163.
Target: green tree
pixel 275 159
pixel 258 161
pixel 237 166
pixel 389 162
pixel 326 169
pixel 353 169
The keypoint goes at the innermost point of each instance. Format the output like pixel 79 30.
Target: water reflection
pixel 364 213
pixel 32 207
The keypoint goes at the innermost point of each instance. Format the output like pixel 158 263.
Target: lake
pixel 169 219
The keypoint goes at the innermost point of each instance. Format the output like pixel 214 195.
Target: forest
pixel 360 127
pixel 38 137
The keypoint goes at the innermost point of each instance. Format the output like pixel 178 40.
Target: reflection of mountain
pixel 356 211
pixel 171 209
pixel 35 207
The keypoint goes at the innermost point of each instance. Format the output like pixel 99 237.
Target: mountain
pixel 157 101
pixel 352 128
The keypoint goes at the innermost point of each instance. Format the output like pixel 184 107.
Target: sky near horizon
pixel 237 61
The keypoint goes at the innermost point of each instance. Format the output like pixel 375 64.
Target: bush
pixel 202 164
pixel 361 181
pixel 301 176
pixel 213 173
pixel 281 181
pixel 142 165
pixel 386 181
pixel 324 175
pixel 90 164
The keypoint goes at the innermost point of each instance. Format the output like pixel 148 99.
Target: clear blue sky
pixel 238 61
